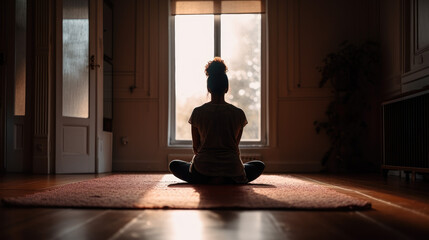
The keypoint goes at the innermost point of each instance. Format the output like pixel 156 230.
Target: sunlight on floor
pixel 186 225
pixel 199 225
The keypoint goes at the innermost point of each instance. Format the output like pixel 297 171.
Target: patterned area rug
pixel 159 191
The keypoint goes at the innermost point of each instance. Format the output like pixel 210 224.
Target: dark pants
pixel 180 169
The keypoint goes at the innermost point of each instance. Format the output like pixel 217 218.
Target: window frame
pixel 172 141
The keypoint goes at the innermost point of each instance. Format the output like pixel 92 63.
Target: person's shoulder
pixel 200 108
pixel 236 109
pixel 203 106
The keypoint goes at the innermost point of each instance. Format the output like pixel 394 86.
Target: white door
pixel 76 86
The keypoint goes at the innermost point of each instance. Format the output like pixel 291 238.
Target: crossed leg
pixel 180 169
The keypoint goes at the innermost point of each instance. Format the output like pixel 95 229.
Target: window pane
pixel 194 47
pixel 75 58
pixel 20 56
pixel 241 50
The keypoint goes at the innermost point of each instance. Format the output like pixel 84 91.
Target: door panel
pixel 75 140
pixel 75 120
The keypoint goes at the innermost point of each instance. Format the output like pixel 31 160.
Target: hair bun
pixel 215 67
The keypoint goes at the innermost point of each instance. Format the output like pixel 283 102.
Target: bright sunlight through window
pixel 240 47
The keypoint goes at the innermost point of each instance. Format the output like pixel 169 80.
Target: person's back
pixel 219 127
pixel 216 132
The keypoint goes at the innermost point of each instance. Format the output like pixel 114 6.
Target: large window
pixel 237 39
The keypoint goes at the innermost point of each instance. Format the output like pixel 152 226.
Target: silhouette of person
pixel 217 127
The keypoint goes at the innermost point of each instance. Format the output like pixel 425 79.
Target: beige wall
pixel 300 34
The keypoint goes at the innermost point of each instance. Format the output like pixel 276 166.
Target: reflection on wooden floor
pixel 400 210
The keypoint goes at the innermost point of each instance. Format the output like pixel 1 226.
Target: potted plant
pixel 351 72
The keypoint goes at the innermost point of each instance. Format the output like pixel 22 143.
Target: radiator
pixel 406 133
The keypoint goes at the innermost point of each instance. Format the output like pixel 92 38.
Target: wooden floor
pixel 400 211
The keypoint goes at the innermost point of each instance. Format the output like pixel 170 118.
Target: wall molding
pixel 42 157
pixel 290 79
pixel 146 45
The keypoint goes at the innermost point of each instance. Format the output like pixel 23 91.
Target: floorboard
pixel 400 210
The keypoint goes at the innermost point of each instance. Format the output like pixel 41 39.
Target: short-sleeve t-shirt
pixel 219 126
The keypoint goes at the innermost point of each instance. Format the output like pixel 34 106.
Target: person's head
pixel 217 81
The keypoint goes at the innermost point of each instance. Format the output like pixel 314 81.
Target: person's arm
pixel 195 139
pixel 240 132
